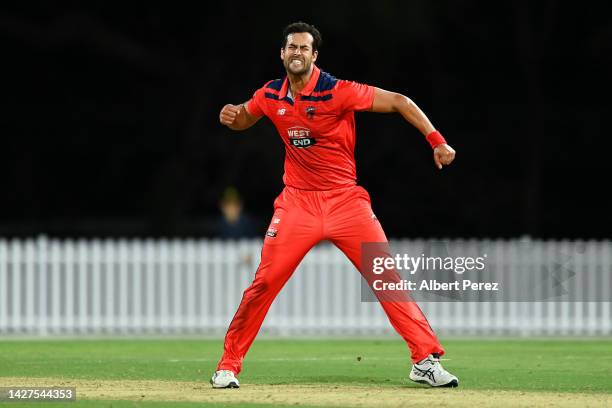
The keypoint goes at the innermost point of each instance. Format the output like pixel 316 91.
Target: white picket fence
pixel 97 287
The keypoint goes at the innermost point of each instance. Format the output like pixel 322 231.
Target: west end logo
pixel 300 137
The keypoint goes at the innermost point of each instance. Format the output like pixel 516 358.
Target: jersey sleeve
pixel 355 96
pixel 256 106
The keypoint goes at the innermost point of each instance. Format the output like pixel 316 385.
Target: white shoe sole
pixel 422 380
pixel 232 384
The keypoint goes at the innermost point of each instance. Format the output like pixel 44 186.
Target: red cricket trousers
pixel 302 218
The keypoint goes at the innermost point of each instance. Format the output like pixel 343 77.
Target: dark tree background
pixel 110 114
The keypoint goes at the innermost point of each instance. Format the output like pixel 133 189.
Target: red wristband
pixel 435 138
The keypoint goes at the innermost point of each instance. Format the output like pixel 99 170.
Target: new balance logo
pixel 280 112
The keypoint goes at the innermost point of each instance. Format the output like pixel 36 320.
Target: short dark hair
pixel 302 27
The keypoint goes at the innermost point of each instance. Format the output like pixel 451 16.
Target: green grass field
pixel 159 373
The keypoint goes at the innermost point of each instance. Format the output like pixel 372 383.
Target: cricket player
pixel 314 115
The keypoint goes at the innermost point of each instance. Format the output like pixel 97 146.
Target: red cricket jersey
pixel 317 127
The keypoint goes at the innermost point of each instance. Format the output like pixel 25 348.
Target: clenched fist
pixel 230 113
pixel 443 155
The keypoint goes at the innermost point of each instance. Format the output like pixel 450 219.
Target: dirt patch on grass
pixel 314 394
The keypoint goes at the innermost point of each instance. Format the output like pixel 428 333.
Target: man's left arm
pixel 387 102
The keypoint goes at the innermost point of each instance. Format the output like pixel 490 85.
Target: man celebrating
pixel 314 115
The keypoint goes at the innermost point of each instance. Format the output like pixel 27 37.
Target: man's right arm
pixel 237 117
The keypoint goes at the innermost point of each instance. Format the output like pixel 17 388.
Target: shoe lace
pixel 433 366
pixel 437 366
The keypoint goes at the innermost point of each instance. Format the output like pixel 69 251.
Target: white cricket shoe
pixel 430 371
pixel 224 379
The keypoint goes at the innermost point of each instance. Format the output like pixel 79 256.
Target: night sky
pixel 109 122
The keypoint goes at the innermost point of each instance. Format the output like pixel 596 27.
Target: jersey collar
pixel 310 86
